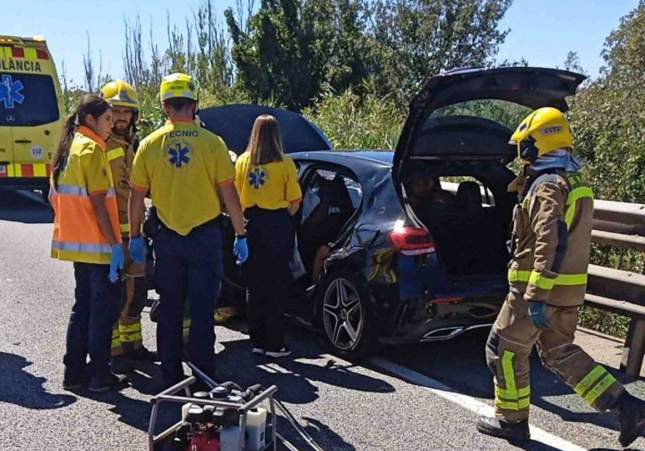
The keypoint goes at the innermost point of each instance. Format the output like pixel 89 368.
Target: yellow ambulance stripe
pixel 30 53
pixel 5 53
pixel 40 170
pixel 14 170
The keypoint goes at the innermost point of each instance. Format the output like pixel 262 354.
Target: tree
pixel 607 116
pixel 417 38
pixel 288 49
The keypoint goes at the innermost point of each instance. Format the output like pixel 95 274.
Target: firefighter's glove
pixel 240 250
pixel 117 262
pixel 537 313
pixel 138 249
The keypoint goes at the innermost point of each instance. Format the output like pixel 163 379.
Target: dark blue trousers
pixel 95 311
pixel 188 268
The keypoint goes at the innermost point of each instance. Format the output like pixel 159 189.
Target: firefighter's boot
pixel 631 414
pixel 142 354
pixel 513 432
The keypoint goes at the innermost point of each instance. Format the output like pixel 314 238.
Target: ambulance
pixel 31 113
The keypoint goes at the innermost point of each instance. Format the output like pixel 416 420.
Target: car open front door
pixel 527 86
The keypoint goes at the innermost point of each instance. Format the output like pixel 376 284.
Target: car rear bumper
pixel 425 321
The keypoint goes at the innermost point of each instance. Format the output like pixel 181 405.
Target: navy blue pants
pixel 188 268
pixel 267 274
pixel 95 311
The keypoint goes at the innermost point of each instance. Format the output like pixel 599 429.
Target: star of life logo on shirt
pixel 179 154
pixel 257 177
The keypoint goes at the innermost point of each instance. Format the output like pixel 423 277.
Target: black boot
pixel 631 414
pixel 513 432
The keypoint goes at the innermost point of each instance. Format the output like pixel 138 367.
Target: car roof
pixel 367 157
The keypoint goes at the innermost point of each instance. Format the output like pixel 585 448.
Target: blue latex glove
pixel 117 262
pixel 137 249
pixel 240 250
pixel 537 313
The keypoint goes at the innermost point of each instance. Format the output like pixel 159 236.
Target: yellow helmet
pixel 177 85
pixel 120 93
pixel 543 131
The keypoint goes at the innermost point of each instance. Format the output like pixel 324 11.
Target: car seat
pixel 326 220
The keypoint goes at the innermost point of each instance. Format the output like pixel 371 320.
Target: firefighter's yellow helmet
pixel 176 86
pixel 120 93
pixel 543 131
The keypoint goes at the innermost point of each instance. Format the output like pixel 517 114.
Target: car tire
pixel 344 316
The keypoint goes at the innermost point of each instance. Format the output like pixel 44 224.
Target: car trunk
pixel 470 231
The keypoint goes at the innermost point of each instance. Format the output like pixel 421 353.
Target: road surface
pixel 422 397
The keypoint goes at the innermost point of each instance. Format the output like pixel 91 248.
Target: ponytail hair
pixel 88 104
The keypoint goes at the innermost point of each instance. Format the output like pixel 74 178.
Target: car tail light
pixel 410 240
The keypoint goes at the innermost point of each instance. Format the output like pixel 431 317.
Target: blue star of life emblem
pixel 257 177
pixel 178 155
pixel 10 92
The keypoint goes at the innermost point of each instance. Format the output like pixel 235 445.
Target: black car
pixel 395 268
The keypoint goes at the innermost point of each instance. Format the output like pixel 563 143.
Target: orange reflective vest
pixel 77 235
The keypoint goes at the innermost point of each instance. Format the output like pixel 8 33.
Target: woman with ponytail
pixel 86 232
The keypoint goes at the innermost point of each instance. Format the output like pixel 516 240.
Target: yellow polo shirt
pixel 182 164
pixel 270 186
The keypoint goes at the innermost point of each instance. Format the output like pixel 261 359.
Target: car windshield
pixel 27 100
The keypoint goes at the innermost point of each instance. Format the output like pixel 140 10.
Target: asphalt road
pixel 407 398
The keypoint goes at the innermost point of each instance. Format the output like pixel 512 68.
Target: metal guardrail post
pixel 634 348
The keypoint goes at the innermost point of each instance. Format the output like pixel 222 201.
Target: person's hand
pixel 240 250
pixel 137 249
pixel 117 262
pixel 537 313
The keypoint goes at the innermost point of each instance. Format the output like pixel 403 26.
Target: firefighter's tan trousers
pixel 509 347
pixel 126 333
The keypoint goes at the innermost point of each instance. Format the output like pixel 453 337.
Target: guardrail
pixel 621 225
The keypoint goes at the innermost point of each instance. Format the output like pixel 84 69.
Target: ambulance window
pixel 27 100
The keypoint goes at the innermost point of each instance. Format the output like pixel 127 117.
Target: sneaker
pixel 107 382
pixel 283 352
pixel 258 350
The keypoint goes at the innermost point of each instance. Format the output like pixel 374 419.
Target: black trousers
pixel 267 274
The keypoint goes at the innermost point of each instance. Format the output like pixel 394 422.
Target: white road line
pixel 467 402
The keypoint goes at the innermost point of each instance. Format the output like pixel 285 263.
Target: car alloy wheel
pixel 343 315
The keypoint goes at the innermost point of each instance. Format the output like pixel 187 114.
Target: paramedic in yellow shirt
pixel 186 169
pixel 267 182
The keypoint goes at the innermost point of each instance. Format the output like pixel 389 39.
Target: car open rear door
pixel 527 86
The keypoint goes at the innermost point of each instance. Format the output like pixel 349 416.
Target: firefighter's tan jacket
pixel 120 155
pixel 552 238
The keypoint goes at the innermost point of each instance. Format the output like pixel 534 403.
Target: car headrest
pixel 469 195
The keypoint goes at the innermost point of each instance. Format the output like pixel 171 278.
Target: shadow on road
pixel 19 387
pixel 24 207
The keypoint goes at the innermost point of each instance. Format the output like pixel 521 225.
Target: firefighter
pixel 547 279
pixel 86 232
pixel 127 340
pixel 187 170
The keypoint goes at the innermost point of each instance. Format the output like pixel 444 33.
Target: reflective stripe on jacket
pixel 77 235
pixel 120 155
pixel 552 232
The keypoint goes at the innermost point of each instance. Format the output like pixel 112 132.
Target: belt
pixel 254 212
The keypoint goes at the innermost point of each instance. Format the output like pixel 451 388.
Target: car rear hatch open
pixel 527 86
pixel 233 123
